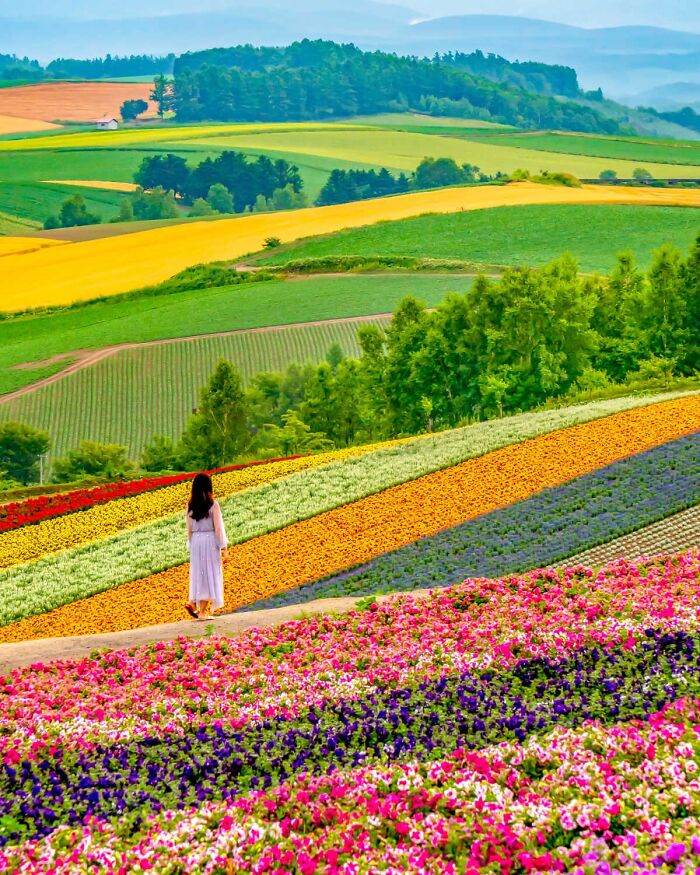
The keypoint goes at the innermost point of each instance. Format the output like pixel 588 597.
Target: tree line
pixel 505 346
pixel 321 79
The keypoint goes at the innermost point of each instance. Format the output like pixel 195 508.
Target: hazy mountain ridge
pixel 624 61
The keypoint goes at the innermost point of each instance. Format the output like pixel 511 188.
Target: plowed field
pixel 71 101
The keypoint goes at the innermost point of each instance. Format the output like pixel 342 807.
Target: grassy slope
pixel 94 326
pixel 633 149
pixel 137 393
pixel 515 235
pixel 403 150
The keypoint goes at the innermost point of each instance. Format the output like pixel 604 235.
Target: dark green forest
pixel 321 80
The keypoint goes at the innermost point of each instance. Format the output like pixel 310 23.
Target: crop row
pixel 111 401
pixel 16 514
pixel 333 534
pixel 546 528
pixel 452 719
pixel 119 515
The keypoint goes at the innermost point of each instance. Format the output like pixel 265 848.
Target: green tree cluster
pixel 505 346
pixel 73 212
pixel 132 109
pixel 231 182
pixel 321 79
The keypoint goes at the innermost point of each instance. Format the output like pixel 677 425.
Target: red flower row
pixel 35 510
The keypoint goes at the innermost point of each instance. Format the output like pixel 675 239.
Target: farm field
pixel 70 101
pixel 95 268
pixel 10 124
pixel 405 150
pixel 629 148
pixel 489 682
pixel 33 340
pixel 299 532
pixel 513 235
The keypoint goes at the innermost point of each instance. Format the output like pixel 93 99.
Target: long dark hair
pixel 202 497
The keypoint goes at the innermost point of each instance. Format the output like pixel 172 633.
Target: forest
pixel 320 80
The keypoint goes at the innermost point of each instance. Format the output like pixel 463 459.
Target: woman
pixel 206 540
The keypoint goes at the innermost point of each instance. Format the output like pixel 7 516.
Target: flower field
pixel 295 521
pixel 542 723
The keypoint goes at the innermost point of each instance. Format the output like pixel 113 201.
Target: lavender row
pixel 545 528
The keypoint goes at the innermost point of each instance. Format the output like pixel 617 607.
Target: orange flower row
pixel 358 532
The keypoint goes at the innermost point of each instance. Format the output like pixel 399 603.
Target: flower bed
pixel 292 553
pixel 34 510
pixel 427 735
pixel 549 527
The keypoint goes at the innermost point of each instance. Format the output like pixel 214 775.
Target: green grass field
pixel 627 148
pixel 514 235
pixel 404 151
pixel 153 317
pixel 134 394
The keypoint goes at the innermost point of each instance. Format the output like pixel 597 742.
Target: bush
pixel 91 460
pixel 272 243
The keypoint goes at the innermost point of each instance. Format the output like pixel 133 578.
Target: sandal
pixel 191 611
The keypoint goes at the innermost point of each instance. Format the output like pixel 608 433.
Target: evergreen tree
pixel 218 432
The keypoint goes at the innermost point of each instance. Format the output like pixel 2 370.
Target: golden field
pixel 23 245
pixel 11 124
pixel 95 183
pixel 80 271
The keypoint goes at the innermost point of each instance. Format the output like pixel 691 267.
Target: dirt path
pixel 27 653
pixel 86 358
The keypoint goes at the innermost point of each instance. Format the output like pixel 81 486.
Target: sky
pixel 673 14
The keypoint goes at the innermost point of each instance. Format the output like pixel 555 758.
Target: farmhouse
pixel 106 124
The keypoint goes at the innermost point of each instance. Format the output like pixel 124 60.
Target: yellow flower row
pixel 94 523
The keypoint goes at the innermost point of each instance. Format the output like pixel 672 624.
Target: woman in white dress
pixel 206 541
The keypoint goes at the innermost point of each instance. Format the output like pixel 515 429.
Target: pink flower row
pixel 161 688
pixel 599 799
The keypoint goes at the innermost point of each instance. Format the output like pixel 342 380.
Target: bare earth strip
pixel 109 266
pixel 12 124
pixel 86 358
pixel 72 101
pixel 671 535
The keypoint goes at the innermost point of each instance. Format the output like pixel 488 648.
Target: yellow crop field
pixel 404 151
pixel 10 124
pixel 95 183
pixel 81 271
pixel 159 134
pixel 19 245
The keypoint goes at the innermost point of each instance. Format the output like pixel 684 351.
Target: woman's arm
pixel 189 528
pixel 219 529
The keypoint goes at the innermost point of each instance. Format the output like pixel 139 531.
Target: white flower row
pixel 38 586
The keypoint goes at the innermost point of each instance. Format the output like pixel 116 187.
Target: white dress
pixel 205 540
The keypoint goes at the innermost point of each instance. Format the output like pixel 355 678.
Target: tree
pixel 73 212
pixel 641 173
pixel 21 447
pixel 126 211
pixel 288 199
pixel 220 198
pixel 607 175
pixel 292 438
pixel 201 208
pixel 691 291
pixel 93 460
pixel 155 204
pixel 131 109
pixel 439 172
pixel 162 94
pixel 665 309
pixel 170 172
pixel 218 432
pixel 159 454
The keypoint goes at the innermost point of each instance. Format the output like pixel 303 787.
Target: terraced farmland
pixel 513 235
pixel 129 396
pixel 82 271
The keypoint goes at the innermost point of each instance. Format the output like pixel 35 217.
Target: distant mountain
pixel 675 95
pixel 68 28
pixel 621 60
